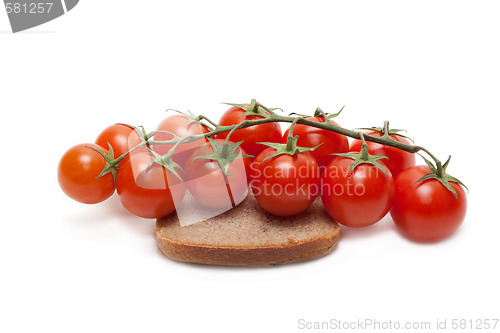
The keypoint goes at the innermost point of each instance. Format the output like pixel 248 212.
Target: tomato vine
pixel 268 115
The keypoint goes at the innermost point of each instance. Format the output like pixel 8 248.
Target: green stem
pixel 320 113
pixel 202 117
pixel 439 169
pixel 273 118
pixel 329 126
pixel 226 145
pixel 268 110
pixel 170 153
pixel 243 124
pixel 418 148
pixel 364 147
pixel 386 128
pixel 254 106
pixel 122 156
pixel 289 139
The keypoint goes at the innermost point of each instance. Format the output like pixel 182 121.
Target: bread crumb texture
pixel 248 235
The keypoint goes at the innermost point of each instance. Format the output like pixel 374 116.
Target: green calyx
pixel 300 115
pixel 320 113
pixel 438 173
pixel 166 162
pixel 141 132
pixel 111 165
pixel 223 153
pixel 191 117
pixel 290 148
pixel 254 109
pixel 364 157
pixel 386 131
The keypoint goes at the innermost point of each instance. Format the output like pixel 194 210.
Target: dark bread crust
pixel 216 255
pixel 292 243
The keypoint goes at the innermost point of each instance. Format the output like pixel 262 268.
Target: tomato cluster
pixel 358 183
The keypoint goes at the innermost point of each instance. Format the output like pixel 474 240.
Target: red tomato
pixel 269 132
pixel 77 172
pixel 285 185
pixel 208 184
pixel 426 211
pixel 149 193
pixel 178 125
pixel 121 137
pixel 311 136
pixel 359 199
pixel 398 159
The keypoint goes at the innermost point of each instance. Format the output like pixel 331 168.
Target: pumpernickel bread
pixel 249 236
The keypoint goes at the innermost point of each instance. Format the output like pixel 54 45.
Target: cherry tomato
pixel 208 184
pixel 358 199
pixel 311 136
pixel 77 174
pixel 121 137
pixel 149 193
pixel 285 185
pixel 178 125
pixel 398 159
pixel 426 211
pixel 269 132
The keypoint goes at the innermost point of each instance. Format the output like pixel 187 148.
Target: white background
pixel 431 67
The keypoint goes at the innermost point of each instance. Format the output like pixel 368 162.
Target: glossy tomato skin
pixel 77 172
pixel 178 125
pixel 285 185
pixel 208 185
pixel 311 136
pixel 359 199
pixel 121 137
pixel 270 132
pixel 426 211
pixel 398 159
pixel 148 193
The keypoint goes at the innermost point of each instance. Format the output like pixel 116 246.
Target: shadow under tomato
pixel 385 225
pixel 432 242
pixel 139 225
pixel 112 211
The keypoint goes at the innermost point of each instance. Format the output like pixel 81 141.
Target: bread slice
pixel 248 236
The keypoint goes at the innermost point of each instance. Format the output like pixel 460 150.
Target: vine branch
pixel 274 117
